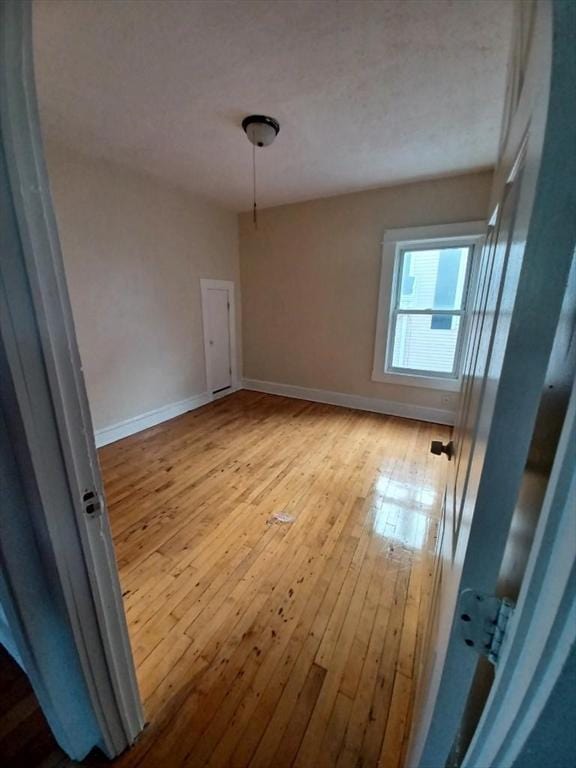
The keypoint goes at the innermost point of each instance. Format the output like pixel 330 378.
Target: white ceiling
pixel 367 93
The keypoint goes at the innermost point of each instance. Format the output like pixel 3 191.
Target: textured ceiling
pixel 367 93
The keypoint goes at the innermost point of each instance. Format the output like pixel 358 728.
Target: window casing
pixel 426 283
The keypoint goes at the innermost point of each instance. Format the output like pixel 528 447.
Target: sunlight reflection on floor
pixel 401 512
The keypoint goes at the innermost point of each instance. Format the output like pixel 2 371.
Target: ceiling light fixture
pixel 261 131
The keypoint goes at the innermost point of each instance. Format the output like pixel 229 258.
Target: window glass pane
pixel 433 279
pixel 422 343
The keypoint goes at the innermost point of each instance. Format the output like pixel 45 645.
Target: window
pixel 424 292
pixel 427 310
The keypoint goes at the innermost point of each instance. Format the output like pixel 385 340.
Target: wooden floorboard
pixel 262 644
pixel 25 737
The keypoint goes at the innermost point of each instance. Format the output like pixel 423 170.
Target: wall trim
pixel 358 402
pixel 131 426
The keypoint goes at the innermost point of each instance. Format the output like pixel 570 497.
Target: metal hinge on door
pixel 483 621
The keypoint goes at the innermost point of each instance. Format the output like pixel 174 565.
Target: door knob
pixel 438 448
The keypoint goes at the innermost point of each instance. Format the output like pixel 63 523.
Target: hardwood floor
pixel 25 738
pixel 262 644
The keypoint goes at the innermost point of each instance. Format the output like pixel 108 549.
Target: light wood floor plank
pixel 268 644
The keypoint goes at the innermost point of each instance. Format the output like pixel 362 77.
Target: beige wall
pixel 310 276
pixel 134 252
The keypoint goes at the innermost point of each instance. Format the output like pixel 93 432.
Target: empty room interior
pixel 271 217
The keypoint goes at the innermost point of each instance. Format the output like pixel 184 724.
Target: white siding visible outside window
pixel 424 296
pixel 425 334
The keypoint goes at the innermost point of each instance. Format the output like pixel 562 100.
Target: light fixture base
pixel 261 129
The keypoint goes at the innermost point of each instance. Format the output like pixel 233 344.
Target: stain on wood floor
pixel 275 645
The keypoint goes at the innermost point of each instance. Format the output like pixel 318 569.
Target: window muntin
pixel 431 286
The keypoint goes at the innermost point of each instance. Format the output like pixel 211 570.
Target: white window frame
pixel 395 242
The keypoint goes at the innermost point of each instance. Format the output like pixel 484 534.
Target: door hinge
pixel 91 503
pixel 483 621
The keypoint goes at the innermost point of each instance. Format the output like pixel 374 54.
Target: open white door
pixel 522 279
pixel 58 576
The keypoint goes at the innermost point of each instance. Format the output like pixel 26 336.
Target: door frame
pixel 228 286
pixel 542 632
pixel 541 115
pixel 43 392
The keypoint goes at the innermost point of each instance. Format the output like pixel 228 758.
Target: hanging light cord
pixel 254 213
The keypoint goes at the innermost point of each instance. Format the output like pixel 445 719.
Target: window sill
pixel 411 380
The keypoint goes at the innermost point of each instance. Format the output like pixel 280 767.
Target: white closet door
pixel 218 319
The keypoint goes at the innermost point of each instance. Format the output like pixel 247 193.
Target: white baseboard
pixel 374 404
pixel 359 402
pixel 150 419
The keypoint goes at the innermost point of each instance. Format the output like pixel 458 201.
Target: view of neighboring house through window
pixel 427 310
